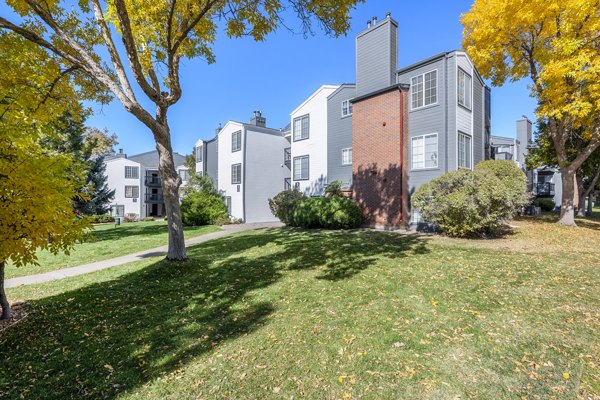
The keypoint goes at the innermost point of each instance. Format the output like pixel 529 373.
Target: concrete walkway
pixel 113 262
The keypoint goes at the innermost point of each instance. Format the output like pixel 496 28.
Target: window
pixel 347 156
pixel 464 89
pixel 424 89
pixel 301 128
pixel 228 204
pixel 118 211
pixel 132 192
pixel 464 150
pixel 184 174
pixel 236 141
pixel 199 154
pixel 236 174
pixel 301 168
pixel 132 172
pixel 346 108
pixel 425 151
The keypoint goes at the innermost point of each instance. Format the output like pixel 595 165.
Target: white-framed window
pixel 236 141
pixel 199 154
pixel 301 128
pixel 132 192
pixel 132 172
pixel 423 89
pixel 184 174
pixel 236 174
pixel 346 108
pixel 228 204
pixel 465 150
pixel 425 151
pixel 118 210
pixel 347 156
pixel 464 89
pixel 301 168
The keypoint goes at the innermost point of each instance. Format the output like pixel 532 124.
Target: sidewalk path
pixel 113 262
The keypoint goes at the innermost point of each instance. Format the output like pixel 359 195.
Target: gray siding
pixel 478 130
pixel 426 120
pixel 339 135
pixel 264 172
pixel 376 57
pixel 211 160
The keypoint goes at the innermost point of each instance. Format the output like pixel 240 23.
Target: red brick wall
pixel 379 124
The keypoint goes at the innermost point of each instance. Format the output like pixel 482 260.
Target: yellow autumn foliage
pixel 37 186
pixel 555 42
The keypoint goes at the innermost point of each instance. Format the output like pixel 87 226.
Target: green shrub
pixel 335 212
pixel 101 219
pixel 202 208
pixel 334 188
pixel 545 204
pixel 284 203
pixel 148 219
pixel 473 203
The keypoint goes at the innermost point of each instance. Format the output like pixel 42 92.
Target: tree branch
pixel 53 85
pixel 132 53
pixel 112 50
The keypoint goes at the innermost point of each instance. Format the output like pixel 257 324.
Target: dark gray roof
pixel 150 159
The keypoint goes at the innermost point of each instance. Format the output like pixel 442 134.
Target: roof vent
pixel 374 20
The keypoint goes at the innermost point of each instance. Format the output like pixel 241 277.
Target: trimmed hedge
pixel 101 219
pixel 473 203
pixel 333 212
pixel 202 208
pixel 284 204
pixel 545 204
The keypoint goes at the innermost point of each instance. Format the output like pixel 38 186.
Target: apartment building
pixel 137 184
pixel 249 163
pixel 394 130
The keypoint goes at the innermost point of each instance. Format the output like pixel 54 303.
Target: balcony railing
pixel 287 157
pixel 543 189
pixel 154 198
pixel 152 181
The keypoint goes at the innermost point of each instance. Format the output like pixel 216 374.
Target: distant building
pixel 137 184
pixel 249 163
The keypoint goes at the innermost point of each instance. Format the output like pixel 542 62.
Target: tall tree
pixel 556 44
pixel 155 37
pixel 37 185
pixel 87 147
pixel 588 174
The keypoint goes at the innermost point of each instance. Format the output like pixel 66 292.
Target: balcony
pixel 152 181
pixel 543 189
pixel 154 198
pixel 287 157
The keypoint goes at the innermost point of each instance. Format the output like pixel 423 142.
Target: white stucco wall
pixel 316 145
pixel 226 159
pixel 115 172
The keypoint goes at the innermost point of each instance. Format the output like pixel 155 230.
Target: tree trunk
pixel 170 182
pixel 6 313
pixel 567 210
pixel 590 205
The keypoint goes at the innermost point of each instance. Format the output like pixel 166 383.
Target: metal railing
pixel 544 189
pixel 152 181
pixel 154 198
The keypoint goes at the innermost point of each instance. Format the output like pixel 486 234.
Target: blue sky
pixel 276 75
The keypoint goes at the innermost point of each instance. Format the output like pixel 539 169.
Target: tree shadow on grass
pixel 107 338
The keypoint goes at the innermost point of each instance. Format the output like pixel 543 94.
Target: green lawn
pixel 287 313
pixel 105 242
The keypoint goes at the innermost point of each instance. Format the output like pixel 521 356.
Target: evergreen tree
pixel 98 192
pixel 72 138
